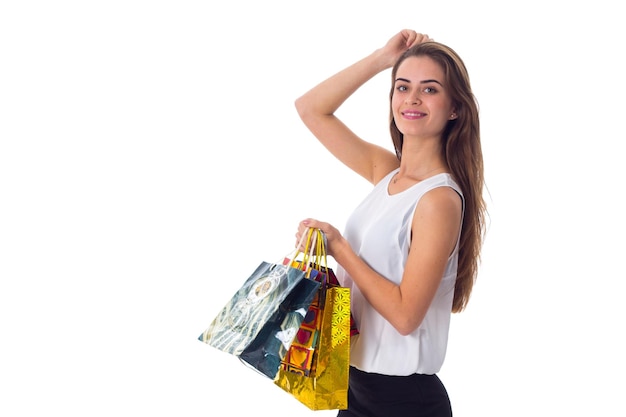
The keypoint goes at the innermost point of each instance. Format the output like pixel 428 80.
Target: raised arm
pixel 317 109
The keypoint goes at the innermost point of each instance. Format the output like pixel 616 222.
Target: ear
pixel 453 115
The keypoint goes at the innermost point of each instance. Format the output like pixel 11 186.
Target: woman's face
pixel 421 103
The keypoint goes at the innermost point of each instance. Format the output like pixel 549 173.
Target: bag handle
pixel 322 254
pixel 314 251
pixel 309 251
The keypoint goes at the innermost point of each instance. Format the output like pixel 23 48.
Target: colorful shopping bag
pixel 315 369
pixel 266 352
pixel 260 321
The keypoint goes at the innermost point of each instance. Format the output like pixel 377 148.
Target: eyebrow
pixel 421 82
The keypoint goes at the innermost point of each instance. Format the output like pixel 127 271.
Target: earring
pixel 453 116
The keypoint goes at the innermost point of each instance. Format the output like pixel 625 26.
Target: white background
pixel 151 157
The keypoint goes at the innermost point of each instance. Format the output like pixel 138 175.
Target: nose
pixel 413 99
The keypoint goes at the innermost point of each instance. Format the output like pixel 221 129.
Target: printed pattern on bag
pixel 239 322
pixel 326 387
pixel 301 354
pixel 299 357
pixel 341 318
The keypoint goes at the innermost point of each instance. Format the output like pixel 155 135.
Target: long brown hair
pixel 462 151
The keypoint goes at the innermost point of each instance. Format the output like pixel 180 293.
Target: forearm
pixel 384 295
pixel 326 97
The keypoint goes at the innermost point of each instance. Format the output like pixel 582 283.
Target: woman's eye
pixel 401 88
pixel 430 90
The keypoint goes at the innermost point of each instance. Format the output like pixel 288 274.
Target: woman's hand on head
pixel 402 41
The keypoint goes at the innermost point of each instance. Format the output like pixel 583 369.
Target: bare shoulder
pixel 442 198
pixel 440 203
pixel 437 222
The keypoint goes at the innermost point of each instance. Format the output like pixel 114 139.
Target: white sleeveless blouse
pixel 379 232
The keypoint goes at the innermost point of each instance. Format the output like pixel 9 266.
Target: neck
pixel 419 174
pixel 421 159
pixel 418 164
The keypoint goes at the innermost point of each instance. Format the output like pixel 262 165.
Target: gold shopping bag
pixel 316 367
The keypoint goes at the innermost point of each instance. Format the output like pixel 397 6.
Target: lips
pixel 413 115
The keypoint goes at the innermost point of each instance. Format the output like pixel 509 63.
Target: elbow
pixel 406 325
pixel 405 330
pixel 301 107
pixel 309 110
pixel 407 321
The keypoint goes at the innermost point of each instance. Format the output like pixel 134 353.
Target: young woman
pixel 410 250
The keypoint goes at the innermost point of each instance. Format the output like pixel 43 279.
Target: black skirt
pixel 376 395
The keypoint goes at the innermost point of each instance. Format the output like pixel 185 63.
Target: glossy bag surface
pixel 251 307
pixel 320 381
pixel 266 352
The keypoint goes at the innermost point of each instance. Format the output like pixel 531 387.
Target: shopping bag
pixel 261 319
pixel 270 346
pixel 316 367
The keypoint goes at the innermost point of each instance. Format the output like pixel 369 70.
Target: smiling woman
pixel 420 103
pixel 409 252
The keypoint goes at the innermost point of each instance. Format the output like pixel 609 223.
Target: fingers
pixel 412 37
pixel 303 230
pixel 315 224
pixel 416 38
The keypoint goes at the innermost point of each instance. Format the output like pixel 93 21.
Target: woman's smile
pixel 413 115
